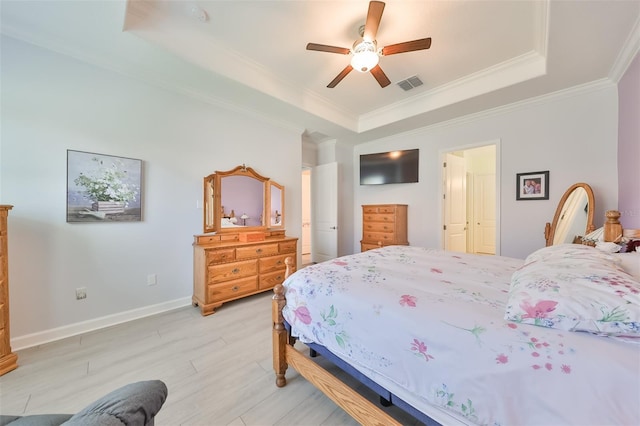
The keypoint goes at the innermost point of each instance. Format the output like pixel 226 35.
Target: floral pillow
pixel 575 289
pixel 570 251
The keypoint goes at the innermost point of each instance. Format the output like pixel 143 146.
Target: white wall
pixel 51 103
pixel 573 135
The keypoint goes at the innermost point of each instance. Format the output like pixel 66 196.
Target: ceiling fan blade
pixel 407 46
pixel 330 49
pixel 374 15
pixel 340 76
pixel 379 75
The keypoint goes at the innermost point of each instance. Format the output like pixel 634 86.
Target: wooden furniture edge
pixel 8 360
pixel 284 354
pixel 612 227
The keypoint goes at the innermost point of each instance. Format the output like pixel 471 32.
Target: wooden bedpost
pixel 279 336
pixel 612 227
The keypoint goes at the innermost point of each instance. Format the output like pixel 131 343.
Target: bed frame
pixel 360 408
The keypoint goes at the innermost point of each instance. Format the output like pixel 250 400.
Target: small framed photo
pixel 532 186
pixel 103 188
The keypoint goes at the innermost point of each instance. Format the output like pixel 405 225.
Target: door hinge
pixel 444 227
pixel 444 164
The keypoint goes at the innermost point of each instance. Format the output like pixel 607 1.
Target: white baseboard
pixel 35 339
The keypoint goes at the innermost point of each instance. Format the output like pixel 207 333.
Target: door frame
pixel 442 156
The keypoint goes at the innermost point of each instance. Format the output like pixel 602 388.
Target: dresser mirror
pixel 573 217
pixel 237 200
pixel 276 211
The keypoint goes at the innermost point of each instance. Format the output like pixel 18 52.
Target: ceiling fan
pixel 365 52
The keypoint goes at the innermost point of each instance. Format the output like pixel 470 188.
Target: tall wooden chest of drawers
pixel 8 360
pixel 226 268
pixel 383 225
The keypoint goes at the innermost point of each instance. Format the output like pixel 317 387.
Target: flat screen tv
pixel 389 167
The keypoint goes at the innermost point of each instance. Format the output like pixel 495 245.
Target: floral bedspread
pixel 429 326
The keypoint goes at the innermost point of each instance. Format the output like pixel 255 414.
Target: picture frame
pixel 103 188
pixel 532 186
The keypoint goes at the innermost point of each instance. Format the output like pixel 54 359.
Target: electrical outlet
pixel 152 279
pixel 81 293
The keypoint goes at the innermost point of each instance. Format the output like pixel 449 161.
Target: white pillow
pixel 630 262
pixel 608 247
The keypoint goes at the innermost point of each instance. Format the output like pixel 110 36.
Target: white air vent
pixel 410 83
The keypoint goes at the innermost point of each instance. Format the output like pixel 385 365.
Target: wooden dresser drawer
pixel 220 255
pixel 207 239
pixel 233 289
pixel 256 251
pixel 374 237
pixel 370 209
pixel 231 271
pixel 288 246
pixel 379 217
pixel 272 263
pixel 365 246
pixel 387 209
pixel 378 227
pixel 271 279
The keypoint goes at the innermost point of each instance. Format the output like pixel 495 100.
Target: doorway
pixel 470 200
pixel 306 217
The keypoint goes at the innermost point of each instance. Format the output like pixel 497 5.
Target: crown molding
pixel 579 90
pixel 516 70
pixel 627 54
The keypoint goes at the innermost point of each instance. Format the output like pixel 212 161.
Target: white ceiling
pixel 251 56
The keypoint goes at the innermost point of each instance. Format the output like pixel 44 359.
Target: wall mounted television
pixel 389 167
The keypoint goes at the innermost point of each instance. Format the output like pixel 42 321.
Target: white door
pixel 324 212
pixel 485 214
pixel 306 212
pixel 455 204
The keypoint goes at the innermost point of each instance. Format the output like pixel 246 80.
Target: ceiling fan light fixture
pixel 365 56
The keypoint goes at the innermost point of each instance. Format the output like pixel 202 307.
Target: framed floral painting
pixel 103 188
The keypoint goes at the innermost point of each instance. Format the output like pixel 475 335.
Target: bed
pixel 457 338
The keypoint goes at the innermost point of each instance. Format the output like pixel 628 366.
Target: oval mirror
pixel 573 217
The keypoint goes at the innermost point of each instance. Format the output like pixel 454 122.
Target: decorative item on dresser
pixel 8 360
pixel 234 260
pixel 383 225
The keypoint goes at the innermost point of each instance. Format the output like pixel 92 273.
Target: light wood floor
pixel 218 370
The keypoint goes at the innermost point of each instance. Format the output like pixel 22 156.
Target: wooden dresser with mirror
pixel 244 245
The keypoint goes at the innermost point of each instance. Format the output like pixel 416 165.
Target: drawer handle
pixel 279 262
pixel 259 250
pixel 235 288
pixel 235 271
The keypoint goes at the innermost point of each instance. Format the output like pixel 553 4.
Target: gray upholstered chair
pixel 135 404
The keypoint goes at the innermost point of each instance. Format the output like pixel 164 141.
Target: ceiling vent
pixel 410 83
